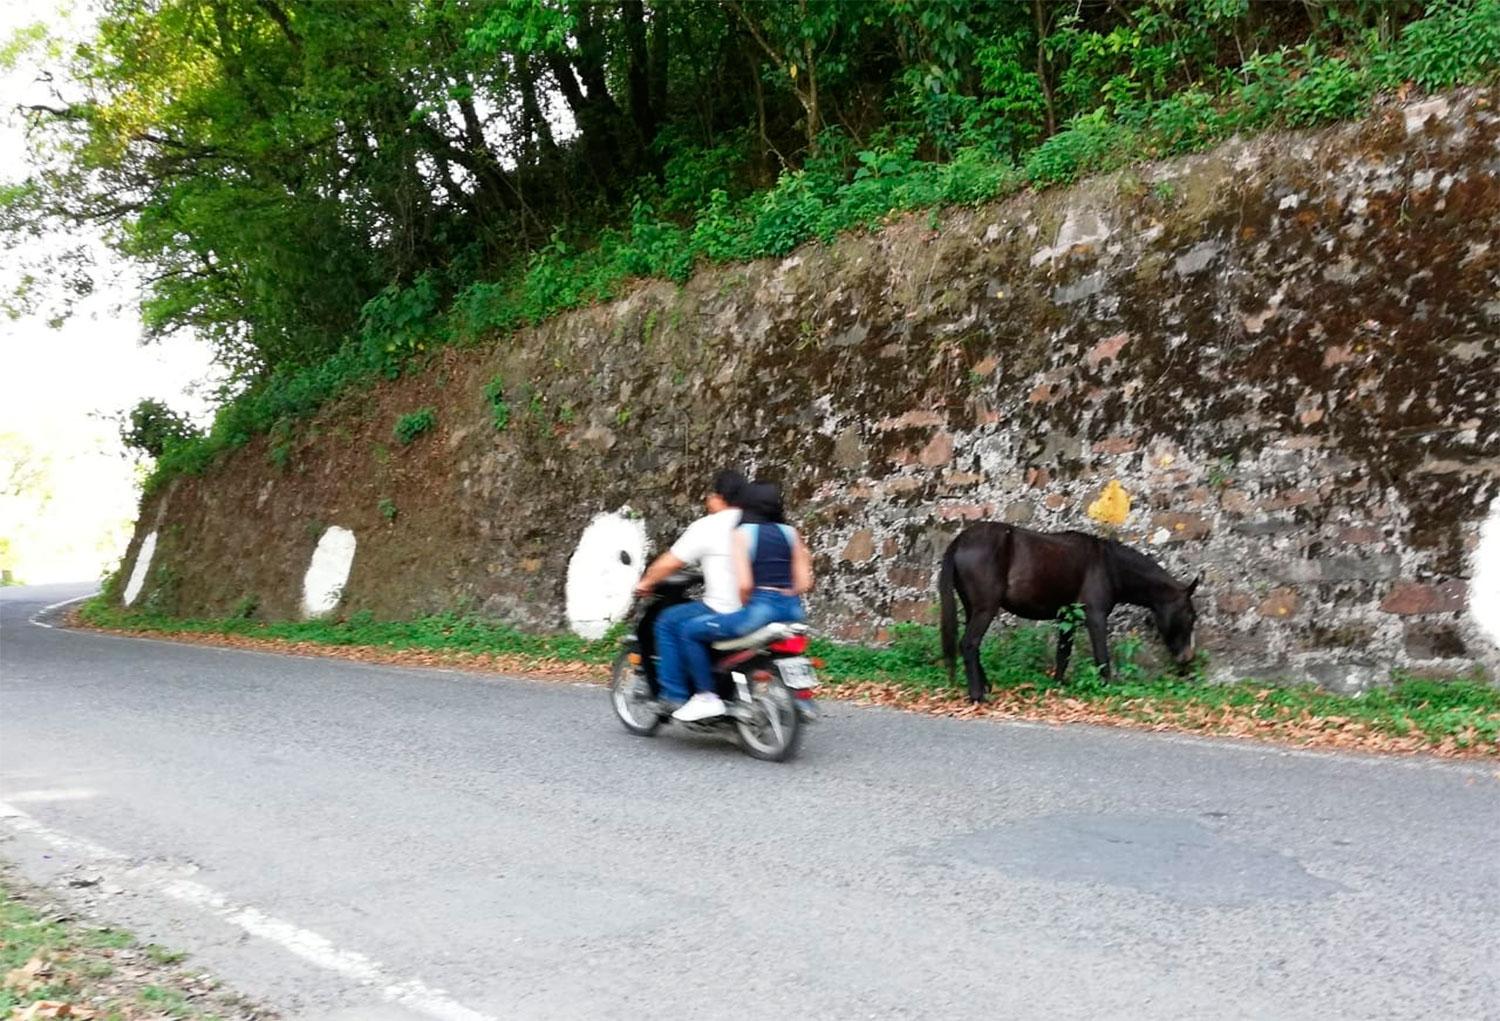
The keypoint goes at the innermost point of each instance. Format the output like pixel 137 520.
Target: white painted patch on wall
pixel 141 569
pixel 1484 589
pixel 323 585
pixel 609 559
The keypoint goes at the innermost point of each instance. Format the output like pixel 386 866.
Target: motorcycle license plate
pixel 797 673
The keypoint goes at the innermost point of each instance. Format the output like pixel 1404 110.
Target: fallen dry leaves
pixel 32 975
pixel 1303 730
pixel 51 1008
pixel 1022 703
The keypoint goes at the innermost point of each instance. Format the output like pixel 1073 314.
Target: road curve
pixel 359 841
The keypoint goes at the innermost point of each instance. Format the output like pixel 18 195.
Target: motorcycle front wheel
pixel 773 727
pixel 630 694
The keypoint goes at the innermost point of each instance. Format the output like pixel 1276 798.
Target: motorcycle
pixel 765 679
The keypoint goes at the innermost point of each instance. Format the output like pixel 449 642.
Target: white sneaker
pixel 702 706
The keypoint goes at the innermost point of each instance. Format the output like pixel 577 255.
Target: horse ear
pixel 1193 585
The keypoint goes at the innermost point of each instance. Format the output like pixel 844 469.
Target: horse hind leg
pixel 979 622
pixel 1064 651
pixel 1098 628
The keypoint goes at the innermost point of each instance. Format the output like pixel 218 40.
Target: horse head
pixel 1175 617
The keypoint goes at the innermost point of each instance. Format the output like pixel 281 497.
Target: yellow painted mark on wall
pixel 1113 505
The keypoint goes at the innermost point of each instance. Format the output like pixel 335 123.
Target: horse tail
pixel 949 610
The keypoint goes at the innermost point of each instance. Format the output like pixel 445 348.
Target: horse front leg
pixel 979 622
pixel 1064 651
pixel 1097 621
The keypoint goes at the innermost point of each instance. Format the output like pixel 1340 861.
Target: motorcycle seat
pixel 765 636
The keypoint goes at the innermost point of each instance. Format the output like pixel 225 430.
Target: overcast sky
pixel 55 382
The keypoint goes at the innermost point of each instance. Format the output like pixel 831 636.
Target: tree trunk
pixel 1041 67
pixel 810 97
pixel 538 144
pixel 657 62
pixel 643 114
pixel 764 177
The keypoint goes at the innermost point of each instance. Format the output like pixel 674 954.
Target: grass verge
pixel 57 967
pixel 1453 718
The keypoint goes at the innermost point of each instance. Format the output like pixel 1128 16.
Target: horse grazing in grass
pixel 1035 575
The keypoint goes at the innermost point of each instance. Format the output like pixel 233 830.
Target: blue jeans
pixel 671 665
pixel 699 633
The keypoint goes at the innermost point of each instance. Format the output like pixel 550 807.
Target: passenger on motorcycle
pixel 774 570
pixel 706 544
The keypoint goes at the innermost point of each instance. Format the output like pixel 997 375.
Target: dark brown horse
pixel 1035 575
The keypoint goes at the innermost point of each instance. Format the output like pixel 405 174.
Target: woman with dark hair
pixel 774 569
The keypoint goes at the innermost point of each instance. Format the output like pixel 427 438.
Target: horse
pixel 1036 575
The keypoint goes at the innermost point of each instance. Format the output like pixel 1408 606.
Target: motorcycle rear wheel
pixel 630 695
pixel 775 727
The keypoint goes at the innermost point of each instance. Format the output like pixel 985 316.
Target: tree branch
pixel 279 16
pixel 776 58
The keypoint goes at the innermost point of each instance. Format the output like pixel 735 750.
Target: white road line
pixel 58 606
pixel 413 994
pixel 55 794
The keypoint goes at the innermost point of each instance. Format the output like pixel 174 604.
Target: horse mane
pixel 1134 560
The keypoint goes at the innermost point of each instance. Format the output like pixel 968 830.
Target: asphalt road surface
pixel 361 841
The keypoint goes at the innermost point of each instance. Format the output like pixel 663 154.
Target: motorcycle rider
pixel 707 544
pixel 774 570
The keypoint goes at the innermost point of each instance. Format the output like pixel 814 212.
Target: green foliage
pixel 494 396
pixel 162 588
pixel 153 429
pixel 414 423
pixel 1329 90
pixel 1221 474
pixel 387 508
pixel 1070 619
pixel 1457 43
pixel 396 323
pixel 1090 143
pixel 325 193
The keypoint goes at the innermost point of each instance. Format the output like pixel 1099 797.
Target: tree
pixel 152 428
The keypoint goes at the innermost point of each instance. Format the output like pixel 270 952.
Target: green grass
pixel 1465 711
pixel 161 955
pixel 169 1001
pixel 107 939
pixel 23 935
pixel 443 632
pixel 79 958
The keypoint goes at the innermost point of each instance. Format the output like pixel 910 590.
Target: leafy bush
pixel 415 423
pixel 1329 90
pixel 1090 143
pixel 494 395
pixel 153 428
pixel 1456 43
pixel 397 323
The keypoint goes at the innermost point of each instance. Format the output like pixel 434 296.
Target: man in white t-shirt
pixel 707 545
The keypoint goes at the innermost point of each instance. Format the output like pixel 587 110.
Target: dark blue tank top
pixel 770 548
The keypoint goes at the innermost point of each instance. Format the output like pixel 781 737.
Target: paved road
pixel 371 842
